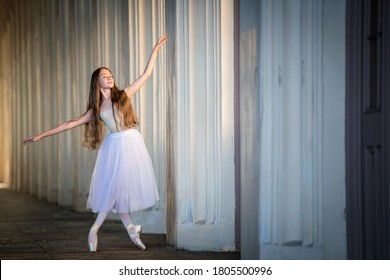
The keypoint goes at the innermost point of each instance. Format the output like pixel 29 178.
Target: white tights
pixel 125 218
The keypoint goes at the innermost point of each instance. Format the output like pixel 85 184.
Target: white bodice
pixel 108 118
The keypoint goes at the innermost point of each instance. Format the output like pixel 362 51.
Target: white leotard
pixel 108 119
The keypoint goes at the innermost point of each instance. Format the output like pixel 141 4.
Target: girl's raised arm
pixel 137 84
pixel 83 119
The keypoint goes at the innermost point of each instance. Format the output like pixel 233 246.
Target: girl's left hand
pixel 161 41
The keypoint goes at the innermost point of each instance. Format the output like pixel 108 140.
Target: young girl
pixel 123 179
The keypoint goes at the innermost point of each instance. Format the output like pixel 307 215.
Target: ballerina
pixel 123 179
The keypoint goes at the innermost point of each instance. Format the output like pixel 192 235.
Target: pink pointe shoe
pixel 134 232
pixel 92 238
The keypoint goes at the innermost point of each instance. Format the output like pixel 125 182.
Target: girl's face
pixel 106 80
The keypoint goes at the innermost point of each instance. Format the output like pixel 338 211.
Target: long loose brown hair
pixel 94 133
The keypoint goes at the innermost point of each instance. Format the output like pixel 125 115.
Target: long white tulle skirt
pixel 123 179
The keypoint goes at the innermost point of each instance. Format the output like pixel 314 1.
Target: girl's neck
pixel 106 94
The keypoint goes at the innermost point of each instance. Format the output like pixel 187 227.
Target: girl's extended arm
pixel 83 119
pixel 137 84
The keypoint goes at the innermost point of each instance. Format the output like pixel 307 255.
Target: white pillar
pixel 201 171
pixel 249 101
pixel 146 23
pixel 334 190
pixel 50 103
pixel 6 109
pixel 299 84
pixel 85 60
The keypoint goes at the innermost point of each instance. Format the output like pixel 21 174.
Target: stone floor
pixel 33 229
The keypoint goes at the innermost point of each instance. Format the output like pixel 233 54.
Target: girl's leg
pixel 92 236
pixel 100 218
pixel 134 231
pixel 125 218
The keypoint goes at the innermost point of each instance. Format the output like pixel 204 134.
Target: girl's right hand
pixel 32 139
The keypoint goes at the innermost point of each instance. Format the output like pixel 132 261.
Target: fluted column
pixel 50 101
pixel 6 109
pixel 291 132
pixel 295 176
pixel 145 26
pixel 201 171
pixel 85 57
pixel 249 116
